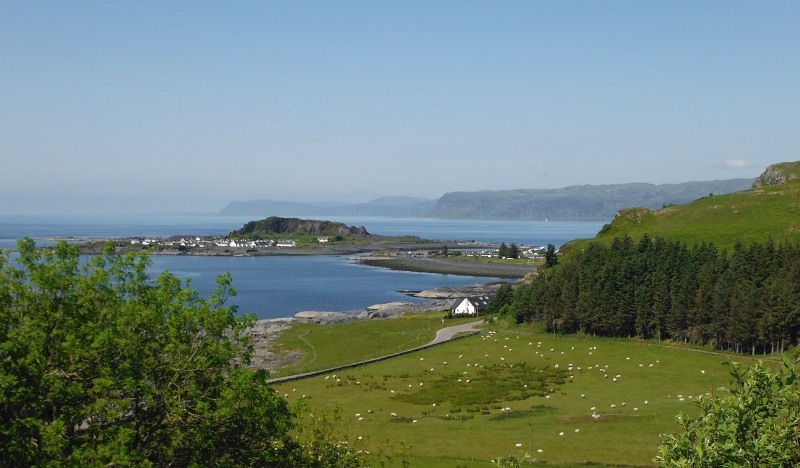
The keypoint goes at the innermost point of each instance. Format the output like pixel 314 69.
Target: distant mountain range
pixel 577 202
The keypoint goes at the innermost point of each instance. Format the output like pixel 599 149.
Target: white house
pixel 472 305
pixel 286 243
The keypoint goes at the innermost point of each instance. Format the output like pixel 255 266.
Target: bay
pixel 273 287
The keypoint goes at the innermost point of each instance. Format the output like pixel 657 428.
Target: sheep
pixel 360 419
pixel 613 406
pixel 623 404
pixel 645 402
pixel 394 415
pixel 577 430
pixel 560 433
pixel 358 414
pixel 583 396
pixel 422 359
pixel 414 421
pixel 519 445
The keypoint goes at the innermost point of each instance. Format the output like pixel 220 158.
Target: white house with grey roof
pixel 471 305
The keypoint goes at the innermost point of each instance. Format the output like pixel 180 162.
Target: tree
pixel 754 424
pixel 513 251
pixel 550 256
pixel 102 365
pixel 502 252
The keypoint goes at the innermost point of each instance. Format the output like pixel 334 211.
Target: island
pixel 293 236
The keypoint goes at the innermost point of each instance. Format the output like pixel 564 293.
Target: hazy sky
pixel 184 106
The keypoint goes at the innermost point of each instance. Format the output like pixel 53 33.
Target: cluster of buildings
pixel 199 242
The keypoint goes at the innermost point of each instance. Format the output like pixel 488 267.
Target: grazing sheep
pixel 645 402
pixel 422 359
pixel 583 396
pixel 519 445
pixel 577 430
pixel 560 433
pixel 414 421
pixel 623 403
pixel 613 406
pixel 394 415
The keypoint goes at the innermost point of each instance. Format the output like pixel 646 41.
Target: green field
pixel 511 397
pixel 327 346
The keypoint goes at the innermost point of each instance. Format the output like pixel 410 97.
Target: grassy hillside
pixel 750 216
pixel 494 395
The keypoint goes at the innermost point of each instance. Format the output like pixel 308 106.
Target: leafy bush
pixel 754 424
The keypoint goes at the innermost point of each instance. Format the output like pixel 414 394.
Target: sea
pixel 280 286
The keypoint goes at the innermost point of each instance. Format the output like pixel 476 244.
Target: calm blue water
pixel 274 287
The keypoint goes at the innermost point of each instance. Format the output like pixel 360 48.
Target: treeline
pixel 747 300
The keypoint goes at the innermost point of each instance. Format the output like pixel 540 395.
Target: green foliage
pixel 502 252
pixel 513 251
pixel 550 256
pixel 502 298
pixel 747 301
pixel 102 365
pixel 755 424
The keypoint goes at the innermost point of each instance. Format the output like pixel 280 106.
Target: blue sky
pixel 183 106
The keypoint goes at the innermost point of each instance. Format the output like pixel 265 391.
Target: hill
pixel 576 202
pixel 771 209
pixel 294 226
pixel 589 202
pixel 386 206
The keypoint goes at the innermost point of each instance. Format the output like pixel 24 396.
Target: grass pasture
pixel 500 393
pixel 327 346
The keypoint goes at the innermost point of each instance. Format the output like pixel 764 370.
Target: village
pixel 199 242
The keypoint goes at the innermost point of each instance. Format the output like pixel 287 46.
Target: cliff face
pixel 290 226
pixel 778 174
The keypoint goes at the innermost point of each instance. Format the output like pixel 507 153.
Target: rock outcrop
pixel 778 174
